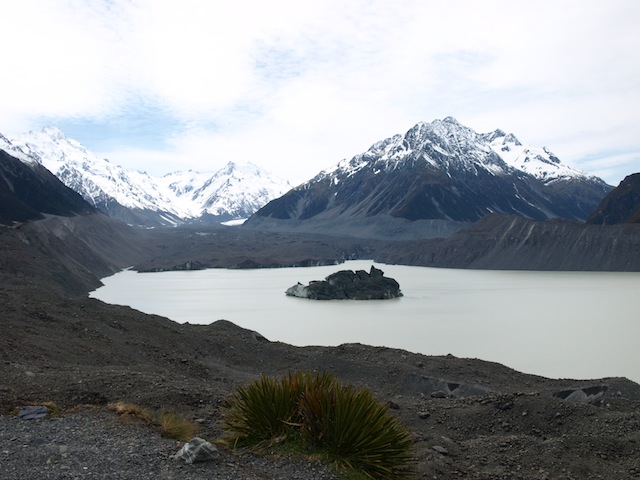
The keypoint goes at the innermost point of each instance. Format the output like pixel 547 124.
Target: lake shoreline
pixel 555 324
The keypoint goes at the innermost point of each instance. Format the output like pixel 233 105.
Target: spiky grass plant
pixel 345 424
pixel 356 431
pixel 259 411
pixel 265 410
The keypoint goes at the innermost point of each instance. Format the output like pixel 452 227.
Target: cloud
pixel 154 162
pixel 297 86
pixel 57 60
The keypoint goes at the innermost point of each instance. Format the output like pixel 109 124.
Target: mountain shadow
pixel 621 205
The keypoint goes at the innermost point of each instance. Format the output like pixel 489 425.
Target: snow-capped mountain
pixel 139 198
pixel 443 171
pixel 240 189
pixel 462 148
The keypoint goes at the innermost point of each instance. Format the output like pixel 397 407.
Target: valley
pixel 470 417
pixel 59 346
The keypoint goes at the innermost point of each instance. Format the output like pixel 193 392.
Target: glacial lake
pixel 556 324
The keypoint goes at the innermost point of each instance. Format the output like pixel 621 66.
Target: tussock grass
pixel 176 426
pixel 171 424
pixel 126 408
pixel 344 424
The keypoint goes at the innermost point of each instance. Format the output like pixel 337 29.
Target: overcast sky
pixel 296 86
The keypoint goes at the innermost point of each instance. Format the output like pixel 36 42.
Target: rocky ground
pixel 470 418
pixel 92 443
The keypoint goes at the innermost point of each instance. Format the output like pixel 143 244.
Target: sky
pixel 297 86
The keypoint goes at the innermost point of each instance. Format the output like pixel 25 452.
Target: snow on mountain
pixel 96 179
pixel 442 171
pixel 7 146
pixel 235 191
pixel 180 186
pixel 231 193
pixel 239 187
pixel 537 161
pixel 447 139
pixel 443 145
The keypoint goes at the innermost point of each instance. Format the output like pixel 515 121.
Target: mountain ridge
pixel 139 198
pixel 510 242
pixel 442 171
pixel 621 205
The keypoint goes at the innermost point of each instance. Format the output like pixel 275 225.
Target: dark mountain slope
pixel 55 236
pixel 27 191
pixel 621 205
pixel 70 253
pixel 516 243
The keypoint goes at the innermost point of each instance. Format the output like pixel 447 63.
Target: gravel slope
pixel 98 444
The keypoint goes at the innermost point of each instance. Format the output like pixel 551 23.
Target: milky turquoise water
pixel 555 324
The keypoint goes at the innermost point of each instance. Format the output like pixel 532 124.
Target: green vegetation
pixel 316 413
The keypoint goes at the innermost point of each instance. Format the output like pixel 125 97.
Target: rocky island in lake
pixel 347 284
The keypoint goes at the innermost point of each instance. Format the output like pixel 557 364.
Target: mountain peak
pixel 241 169
pixel 449 128
pixel 511 138
pixel 53 132
pixel 231 165
pixel 450 120
pixel 445 123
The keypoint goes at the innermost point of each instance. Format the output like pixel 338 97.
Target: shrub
pixel 346 424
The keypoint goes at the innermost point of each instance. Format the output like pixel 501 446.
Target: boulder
pixel 347 284
pixel 196 450
pixel 33 412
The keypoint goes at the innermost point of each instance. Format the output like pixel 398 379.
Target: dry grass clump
pixel 131 409
pixel 176 426
pixel 54 408
pixel 171 424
